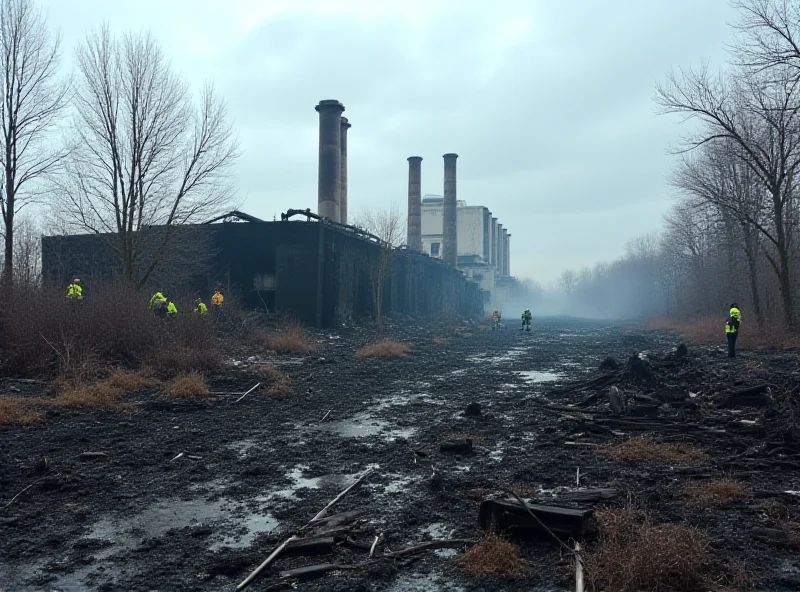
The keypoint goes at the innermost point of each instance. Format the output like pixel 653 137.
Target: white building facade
pixel 480 245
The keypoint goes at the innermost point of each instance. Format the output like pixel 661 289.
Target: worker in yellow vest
pixel 217 299
pixel 732 328
pixel 75 290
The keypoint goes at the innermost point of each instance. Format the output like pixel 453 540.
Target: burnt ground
pixel 129 517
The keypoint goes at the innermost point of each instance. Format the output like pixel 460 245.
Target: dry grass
pixel 633 554
pixel 714 493
pixel 277 383
pixel 77 395
pixel 289 340
pixel 130 382
pixel 177 360
pixel 440 340
pixel 711 330
pixel 495 556
pixel 642 449
pixel 189 385
pixel 523 490
pixel 16 411
pixel 386 348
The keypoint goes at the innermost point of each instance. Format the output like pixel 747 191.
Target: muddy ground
pixel 129 517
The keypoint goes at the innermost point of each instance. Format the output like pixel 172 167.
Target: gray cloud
pixel 548 104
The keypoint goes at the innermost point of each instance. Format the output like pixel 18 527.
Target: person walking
pixel 732 328
pixel 527 317
pixel 495 320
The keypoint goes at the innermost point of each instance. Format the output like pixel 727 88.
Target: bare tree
pixel 768 34
pixel 717 176
pixel 388 226
pixel 32 99
pixel 148 159
pixel 760 119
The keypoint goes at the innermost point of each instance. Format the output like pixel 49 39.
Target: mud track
pixel 129 517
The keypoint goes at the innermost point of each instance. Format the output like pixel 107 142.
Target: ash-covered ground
pixel 112 508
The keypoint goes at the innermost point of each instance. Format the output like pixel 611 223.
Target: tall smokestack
pixel 508 254
pixel 343 175
pixel 330 168
pixel 414 240
pixel 450 223
pixel 500 251
pixel 494 241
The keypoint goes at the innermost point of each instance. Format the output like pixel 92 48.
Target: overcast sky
pixel 548 104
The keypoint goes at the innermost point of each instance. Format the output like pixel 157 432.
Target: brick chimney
pixel 450 222
pixel 414 240
pixel 330 168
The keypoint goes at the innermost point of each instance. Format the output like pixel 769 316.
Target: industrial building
pixel 463 236
pixel 320 270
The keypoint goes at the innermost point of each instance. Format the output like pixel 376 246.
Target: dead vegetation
pixel 385 348
pixel 289 340
pixel 633 554
pixel 42 334
pixel 494 556
pixel 711 331
pixel 130 382
pixel 643 449
pixel 16 411
pixel 100 396
pixel 440 340
pixel 189 385
pixel 277 384
pixel 714 493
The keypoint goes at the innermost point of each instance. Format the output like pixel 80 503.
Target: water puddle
pixel 538 376
pixel 424 583
pixel 363 425
pixel 158 519
pixel 300 482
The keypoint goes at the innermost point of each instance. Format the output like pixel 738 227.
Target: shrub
pixel 43 333
pixel 642 449
pixel 440 340
pixel 386 348
pixel 101 396
pixel 189 385
pixel 494 555
pixel 130 382
pixel 16 411
pixel 633 554
pixel 277 383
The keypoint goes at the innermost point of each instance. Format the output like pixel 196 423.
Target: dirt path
pixel 129 515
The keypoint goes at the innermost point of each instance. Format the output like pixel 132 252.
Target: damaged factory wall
pixel 318 273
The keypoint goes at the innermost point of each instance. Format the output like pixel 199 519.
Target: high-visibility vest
pixel 75 291
pixel 734 319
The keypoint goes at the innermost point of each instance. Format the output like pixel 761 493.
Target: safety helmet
pixel 76 281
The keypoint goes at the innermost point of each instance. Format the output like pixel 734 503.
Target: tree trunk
pixel 7 278
pixel 751 251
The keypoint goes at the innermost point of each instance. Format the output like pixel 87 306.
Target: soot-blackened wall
pixel 319 273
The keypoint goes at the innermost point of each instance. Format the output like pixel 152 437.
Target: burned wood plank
pixel 505 514
pixel 755 396
pixel 456 446
pixel 313 546
pixel 309 572
pixel 339 519
pixel 590 495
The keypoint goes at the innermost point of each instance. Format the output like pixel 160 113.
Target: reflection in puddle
pixel 300 482
pixel 363 425
pixel 158 519
pixel 538 376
